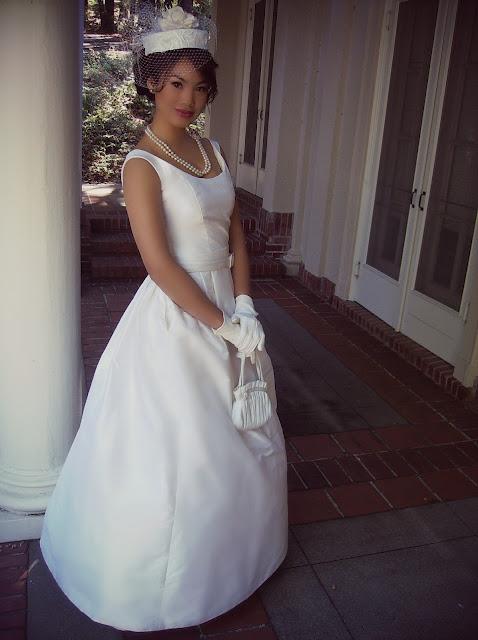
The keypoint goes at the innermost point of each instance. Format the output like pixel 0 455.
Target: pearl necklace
pixel 162 145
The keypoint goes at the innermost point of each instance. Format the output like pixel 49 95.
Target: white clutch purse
pixel 251 405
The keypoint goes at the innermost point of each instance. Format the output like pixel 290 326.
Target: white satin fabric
pixel 164 514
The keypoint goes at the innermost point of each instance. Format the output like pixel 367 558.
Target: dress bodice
pixel 197 210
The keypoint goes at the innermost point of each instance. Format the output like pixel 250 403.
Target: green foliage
pixel 114 116
pixel 124 9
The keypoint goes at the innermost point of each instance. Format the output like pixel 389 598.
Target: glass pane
pixel 403 122
pixel 269 79
pixel 254 84
pixel 453 203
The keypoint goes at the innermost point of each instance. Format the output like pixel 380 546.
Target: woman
pixel 165 514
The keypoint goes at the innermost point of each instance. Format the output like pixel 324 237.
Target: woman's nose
pixel 189 96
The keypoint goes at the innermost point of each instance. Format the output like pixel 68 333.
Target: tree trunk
pixel 101 8
pixel 125 9
pixel 106 9
pixel 110 16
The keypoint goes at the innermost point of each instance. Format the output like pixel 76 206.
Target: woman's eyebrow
pixel 174 75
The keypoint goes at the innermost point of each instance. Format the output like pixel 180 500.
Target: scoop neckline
pixel 220 161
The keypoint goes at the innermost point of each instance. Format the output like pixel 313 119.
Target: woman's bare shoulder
pixel 139 170
pixel 141 146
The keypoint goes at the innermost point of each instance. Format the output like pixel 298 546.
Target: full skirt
pixel 164 514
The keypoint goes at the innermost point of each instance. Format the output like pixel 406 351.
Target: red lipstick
pixel 185 114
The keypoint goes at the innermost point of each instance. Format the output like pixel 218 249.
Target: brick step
pixel 123 266
pixel 255 244
pixel 112 243
pixel 122 242
pixel 249 223
pixel 249 204
pixel 96 220
pixel 131 266
pixel 262 266
pixel 117 220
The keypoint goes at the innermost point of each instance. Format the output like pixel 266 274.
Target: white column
pixel 41 371
pixel 231 20
pixel 288 140
pixel 289 95
pixel 466 368
pixel 348 42
pixel 308 37
pixel 328 112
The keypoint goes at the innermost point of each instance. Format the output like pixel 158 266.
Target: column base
pixel 292 262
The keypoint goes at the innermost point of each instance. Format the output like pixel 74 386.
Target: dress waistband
pixel 207 263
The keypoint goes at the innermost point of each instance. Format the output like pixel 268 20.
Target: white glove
pixel 247 316
pixel 244 306
pixel 242 339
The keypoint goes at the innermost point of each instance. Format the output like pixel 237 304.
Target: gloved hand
pixel 244 306
pixel 240 337
pixel 246 314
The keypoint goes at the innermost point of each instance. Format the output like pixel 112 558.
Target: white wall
pixel 346 54
pixel 289 116
pixel 323 80
pixel 231 18
pixel 325 62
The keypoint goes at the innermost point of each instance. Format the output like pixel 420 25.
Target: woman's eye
pixel 176 83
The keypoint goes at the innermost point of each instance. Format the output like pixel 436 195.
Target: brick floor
pixel 432 457
pixel 13 589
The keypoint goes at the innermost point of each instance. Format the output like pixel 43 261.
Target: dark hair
pixel 147 67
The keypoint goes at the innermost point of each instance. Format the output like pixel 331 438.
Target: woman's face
pixel 184 95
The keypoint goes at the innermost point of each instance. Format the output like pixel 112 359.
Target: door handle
pixel 423 193
pixel 412 198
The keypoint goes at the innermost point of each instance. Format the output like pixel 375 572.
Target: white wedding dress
pixel 164 514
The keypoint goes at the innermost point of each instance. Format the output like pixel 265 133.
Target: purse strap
pixel 258 367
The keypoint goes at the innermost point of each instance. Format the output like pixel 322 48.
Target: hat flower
pixel 177 18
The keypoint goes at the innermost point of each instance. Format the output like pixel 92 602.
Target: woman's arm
pixel 142 194
pixel 237 244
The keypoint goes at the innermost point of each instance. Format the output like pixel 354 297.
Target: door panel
pixel 423 202
pixel 269 83
pixel 453 203
pixel 403 122
pixel 256 95
pixel 254 83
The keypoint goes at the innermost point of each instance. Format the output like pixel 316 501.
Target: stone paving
pixel 383 492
